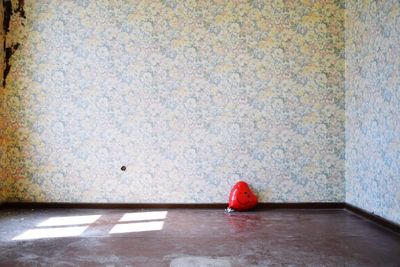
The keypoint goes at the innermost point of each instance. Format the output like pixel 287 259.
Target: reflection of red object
pixel 241 197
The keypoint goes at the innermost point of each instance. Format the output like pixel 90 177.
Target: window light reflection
pixel 144 216
pixel 137 227
pixel 70 220
pixel 51 232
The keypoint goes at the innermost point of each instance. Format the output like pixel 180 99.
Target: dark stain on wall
pixel 20 9
pixel 9 51
pixel 11 48
pixel 7 5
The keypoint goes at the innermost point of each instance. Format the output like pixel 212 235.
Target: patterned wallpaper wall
pixel 373 106
pixel 190 96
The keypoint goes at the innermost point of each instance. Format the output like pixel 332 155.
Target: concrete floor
pixel 179 237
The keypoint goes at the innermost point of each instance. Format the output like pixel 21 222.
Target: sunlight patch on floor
pixel 51 233
pixel 137 227
pixel 70 220
pixel 69 226
pixel 144 216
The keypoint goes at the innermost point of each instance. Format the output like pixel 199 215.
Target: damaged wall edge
pixel 9 49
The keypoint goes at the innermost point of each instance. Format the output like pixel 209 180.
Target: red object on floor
pixel 241 197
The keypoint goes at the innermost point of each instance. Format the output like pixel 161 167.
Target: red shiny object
pixel 241 197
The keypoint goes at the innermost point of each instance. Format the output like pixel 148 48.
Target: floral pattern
pixel 373 106
pixel 190 96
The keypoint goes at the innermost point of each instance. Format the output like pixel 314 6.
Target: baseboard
pixel 70 205
pixel 301 205
pixel 260 206
pixel 373 217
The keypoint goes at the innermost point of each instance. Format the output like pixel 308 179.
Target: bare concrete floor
pixel 179 237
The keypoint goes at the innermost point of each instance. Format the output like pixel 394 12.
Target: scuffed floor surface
pixel 179 237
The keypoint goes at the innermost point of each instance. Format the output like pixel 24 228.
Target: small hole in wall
pixel 123 168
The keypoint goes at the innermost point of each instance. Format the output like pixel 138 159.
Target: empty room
pixel 182 133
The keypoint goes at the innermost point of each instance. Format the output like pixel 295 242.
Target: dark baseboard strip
pixel 260 206
pixel 373 217
pixel 70 205
pixel 302 205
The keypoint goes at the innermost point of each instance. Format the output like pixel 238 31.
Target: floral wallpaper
pixel 190 96
pixel 373 107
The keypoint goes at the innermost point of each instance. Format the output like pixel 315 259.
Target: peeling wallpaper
pixel 1 46
pixel 190 96
pixel 2 196
pixel 373 106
